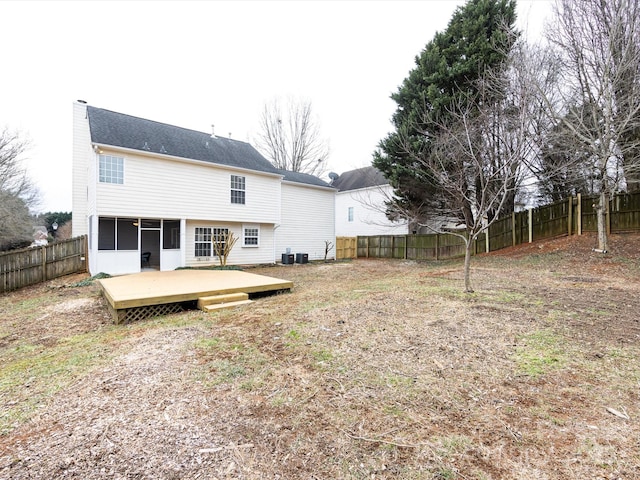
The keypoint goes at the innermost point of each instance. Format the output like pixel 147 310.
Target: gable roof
pixel 360 178
pixel 120 130
pixel 299 177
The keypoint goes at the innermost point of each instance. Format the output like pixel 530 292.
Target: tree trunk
pixel 601 212
pixel 467 265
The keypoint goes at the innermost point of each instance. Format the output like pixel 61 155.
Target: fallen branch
pixel 379 440
pixel 229 447
pixel 617 413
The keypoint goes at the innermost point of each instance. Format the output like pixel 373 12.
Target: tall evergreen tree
pixel 478 39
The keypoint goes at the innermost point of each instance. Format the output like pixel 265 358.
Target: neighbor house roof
pixel 120 130
pixel 299 177
pixel 360 178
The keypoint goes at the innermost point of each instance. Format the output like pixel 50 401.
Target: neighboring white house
pixel 156 195
pixel 360 204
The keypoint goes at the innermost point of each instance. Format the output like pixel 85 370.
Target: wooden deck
pixel 167 290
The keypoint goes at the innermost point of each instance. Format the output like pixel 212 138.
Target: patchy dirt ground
pixel 368 369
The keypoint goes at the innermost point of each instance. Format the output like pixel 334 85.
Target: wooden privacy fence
pixel 415 247
pixel 346 247
pixel 29 266
pixel 572 216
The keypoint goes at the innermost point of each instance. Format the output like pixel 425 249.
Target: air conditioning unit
pixel 287 258
pixel 302 258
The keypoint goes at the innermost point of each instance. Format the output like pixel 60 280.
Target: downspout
pixel 275 227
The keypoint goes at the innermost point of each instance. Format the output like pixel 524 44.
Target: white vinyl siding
pixel 83 156
pixel 159 188
pixel 361 212
pixel 307 222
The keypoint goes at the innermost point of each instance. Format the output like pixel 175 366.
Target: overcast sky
pixel 193 64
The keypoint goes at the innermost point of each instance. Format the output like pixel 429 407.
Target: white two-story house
pixel 360 204
pixel 153 195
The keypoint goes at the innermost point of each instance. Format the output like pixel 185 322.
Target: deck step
pixel 220 306
pixel 225 298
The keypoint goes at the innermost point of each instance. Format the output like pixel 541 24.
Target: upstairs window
pixel 111 169
pixel 350 214
pixel 237 189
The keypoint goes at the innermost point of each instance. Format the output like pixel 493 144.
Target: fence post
pixel 406 247
pixel 608 217
pixel 579 214
pixel 513 229
pixel 570 216
pixel 486 239
pixel 437 247
pixel 44 263
pixel 530 225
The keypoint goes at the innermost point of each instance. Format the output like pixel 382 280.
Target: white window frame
pixel 350 214
pixel 251 237
pixel 110 169
pixel 202 236
pixel 238 190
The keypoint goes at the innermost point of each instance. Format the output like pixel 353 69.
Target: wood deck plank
pixel 154 288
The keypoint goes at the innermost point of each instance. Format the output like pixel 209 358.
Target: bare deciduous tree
pixel 476 164
pixel 290 137
pixel 17 193
pixel 599 43
pixel 223 243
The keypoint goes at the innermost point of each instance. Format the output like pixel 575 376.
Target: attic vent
pixel 162 149
pixel 146 146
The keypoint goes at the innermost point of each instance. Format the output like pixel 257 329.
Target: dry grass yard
pixel 368 369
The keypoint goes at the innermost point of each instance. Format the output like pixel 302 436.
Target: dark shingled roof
pixel 303 178
pixel 120 130
pixel 359 178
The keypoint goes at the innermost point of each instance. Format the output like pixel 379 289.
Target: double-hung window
pixel 111 169
pixel 250 236
pixel 238 189
pixel 203 242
